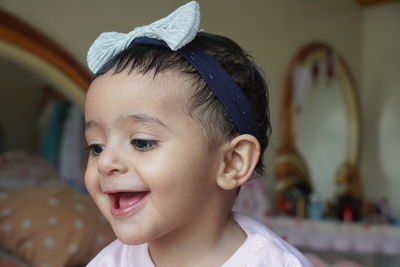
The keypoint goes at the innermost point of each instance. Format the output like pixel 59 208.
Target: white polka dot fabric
pixel 52 226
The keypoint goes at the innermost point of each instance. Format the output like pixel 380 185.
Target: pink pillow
pixel 54 225
pixel 19 169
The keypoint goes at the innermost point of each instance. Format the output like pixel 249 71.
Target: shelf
pixel 338 236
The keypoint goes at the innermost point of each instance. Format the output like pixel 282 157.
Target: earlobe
pixel 239 161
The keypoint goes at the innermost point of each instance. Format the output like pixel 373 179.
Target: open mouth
pixel 125 202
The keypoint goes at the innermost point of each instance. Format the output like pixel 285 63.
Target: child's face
pixel 143 141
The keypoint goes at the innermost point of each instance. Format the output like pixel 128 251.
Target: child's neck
pixel 203 244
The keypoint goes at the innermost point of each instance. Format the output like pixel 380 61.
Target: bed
pixel 45 219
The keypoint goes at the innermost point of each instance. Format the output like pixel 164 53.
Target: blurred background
pixel 333 70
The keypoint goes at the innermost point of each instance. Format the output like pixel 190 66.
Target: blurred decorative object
pixel 320 116
pixel 315 207
pixel 293 181
pixel 253 199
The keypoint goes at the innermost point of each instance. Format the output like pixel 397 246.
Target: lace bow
pixel 177 29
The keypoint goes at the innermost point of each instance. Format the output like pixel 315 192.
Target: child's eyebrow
pixel 90 124
pixel 137 118
pixel 143 118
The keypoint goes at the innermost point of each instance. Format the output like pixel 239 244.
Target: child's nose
pixel 111 162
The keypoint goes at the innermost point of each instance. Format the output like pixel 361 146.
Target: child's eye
pixel 95 149
pixel 143 145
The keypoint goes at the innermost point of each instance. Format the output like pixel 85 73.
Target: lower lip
pixel 129 210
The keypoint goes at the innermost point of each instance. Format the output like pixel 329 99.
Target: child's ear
pixel 239 161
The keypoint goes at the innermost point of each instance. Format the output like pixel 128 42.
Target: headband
pixel 176 31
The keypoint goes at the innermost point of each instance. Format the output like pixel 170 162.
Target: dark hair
pixel 204 105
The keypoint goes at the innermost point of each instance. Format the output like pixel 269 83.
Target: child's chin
pixel 131 240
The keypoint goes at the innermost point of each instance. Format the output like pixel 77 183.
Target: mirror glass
pixel 69 80
pixel 320 127
pixel 21 97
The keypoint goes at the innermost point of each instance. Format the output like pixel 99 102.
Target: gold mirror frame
pixel 291 167
pixel 24 45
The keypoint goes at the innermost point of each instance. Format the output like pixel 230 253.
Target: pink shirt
pixel 262 247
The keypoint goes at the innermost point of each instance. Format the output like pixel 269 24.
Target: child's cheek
pixel 91 181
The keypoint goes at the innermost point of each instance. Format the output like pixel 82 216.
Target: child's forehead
pixel 168 89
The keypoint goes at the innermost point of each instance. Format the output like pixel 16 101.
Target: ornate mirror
pixel 320 130
pixel 31 64
pixel 23 45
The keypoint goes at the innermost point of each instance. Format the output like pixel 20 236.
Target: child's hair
pixel 215 121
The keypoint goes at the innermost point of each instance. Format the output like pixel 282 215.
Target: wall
pixel 380 95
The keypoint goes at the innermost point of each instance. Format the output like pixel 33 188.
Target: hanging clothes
pixel 52 132
pixel 71 144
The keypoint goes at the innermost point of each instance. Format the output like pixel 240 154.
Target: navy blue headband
pixel 220 82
